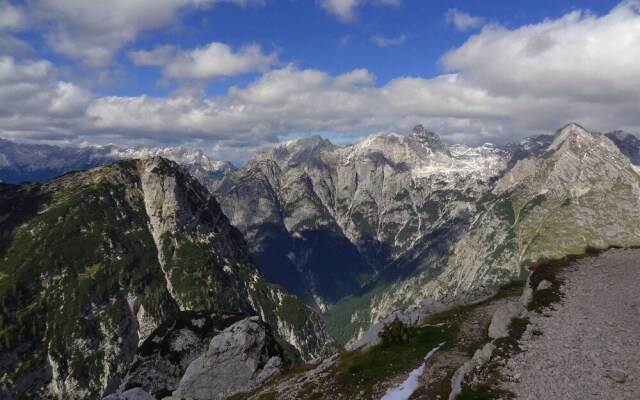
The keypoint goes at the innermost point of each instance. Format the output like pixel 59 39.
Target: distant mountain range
pixel 366 229
pixel 35 162
pixel 359 231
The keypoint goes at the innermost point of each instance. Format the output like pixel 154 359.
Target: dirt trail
pixel 571 349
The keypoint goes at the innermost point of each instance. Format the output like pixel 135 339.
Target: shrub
pixel 397 332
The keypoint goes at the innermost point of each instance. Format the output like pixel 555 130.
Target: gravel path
pixel 569 352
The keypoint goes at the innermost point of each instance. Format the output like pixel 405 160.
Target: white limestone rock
pixel 238 360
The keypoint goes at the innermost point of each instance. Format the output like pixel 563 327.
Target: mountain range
pixel 366 229
pixel 93 263
pixel 21 162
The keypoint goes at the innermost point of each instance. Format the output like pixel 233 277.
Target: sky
pixel 234 76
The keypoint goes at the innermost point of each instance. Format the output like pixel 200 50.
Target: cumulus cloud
pixel 214 60
pixel 382 41
pixel 33 102
pixel 346 9
pixel 462 21
pixel 92 31
pixel 11 16
pixel 500 85
pixel 69 99
pixel 579 57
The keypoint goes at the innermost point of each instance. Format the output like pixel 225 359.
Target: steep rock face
pixel 164 357
pixel 334 217
pixel 426 220
pixel 583 192
pixel 238 360
pixel 530 147
pixel 92 262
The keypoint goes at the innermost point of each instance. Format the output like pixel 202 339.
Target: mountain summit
pixel 429 138
pixel 409 218
pixel 93 262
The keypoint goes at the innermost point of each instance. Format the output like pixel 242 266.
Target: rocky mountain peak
pixel 300 151
pixel 571 129
pixel 427 137
pixel 572 136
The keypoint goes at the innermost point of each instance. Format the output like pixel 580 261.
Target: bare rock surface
pixel 238 360
pixel 588 346
pixel 502 318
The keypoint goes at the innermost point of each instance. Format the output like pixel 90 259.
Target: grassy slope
pixel 365 373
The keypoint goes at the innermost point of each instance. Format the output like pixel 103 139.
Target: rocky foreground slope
pixel 92 263
pixel 567 332
pixel 586 346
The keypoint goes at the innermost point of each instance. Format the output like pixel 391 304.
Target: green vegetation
pixel 77 250
pixel 55 256
pixel 483 391
pixel 431 208
pixel 68 270
pixel 358 371
pixel 339 319
pixel 277 308
pixel 395 333
pixel 197 275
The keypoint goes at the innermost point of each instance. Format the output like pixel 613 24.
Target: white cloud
pixel 214 60
pixel 69 100
pixel 462 20
pixel 346 9
pixel 382 41
pixel 579 57
pixel 33 102
pixel 502 84
pixel 11 17
pixel 92 31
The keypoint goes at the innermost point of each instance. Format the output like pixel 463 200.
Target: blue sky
pixel 232 76
pixel 303 33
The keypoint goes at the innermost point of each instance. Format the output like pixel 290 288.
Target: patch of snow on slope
pixel 482 162
pixel 406 388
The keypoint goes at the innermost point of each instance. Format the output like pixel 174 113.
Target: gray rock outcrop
pixel 502 318
pixel 238 360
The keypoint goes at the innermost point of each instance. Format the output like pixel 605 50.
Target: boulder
pixel 502 318
pixel 238 360
pixel 545 284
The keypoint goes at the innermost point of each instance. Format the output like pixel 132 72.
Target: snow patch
pixel 406 388
pixel 464 161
